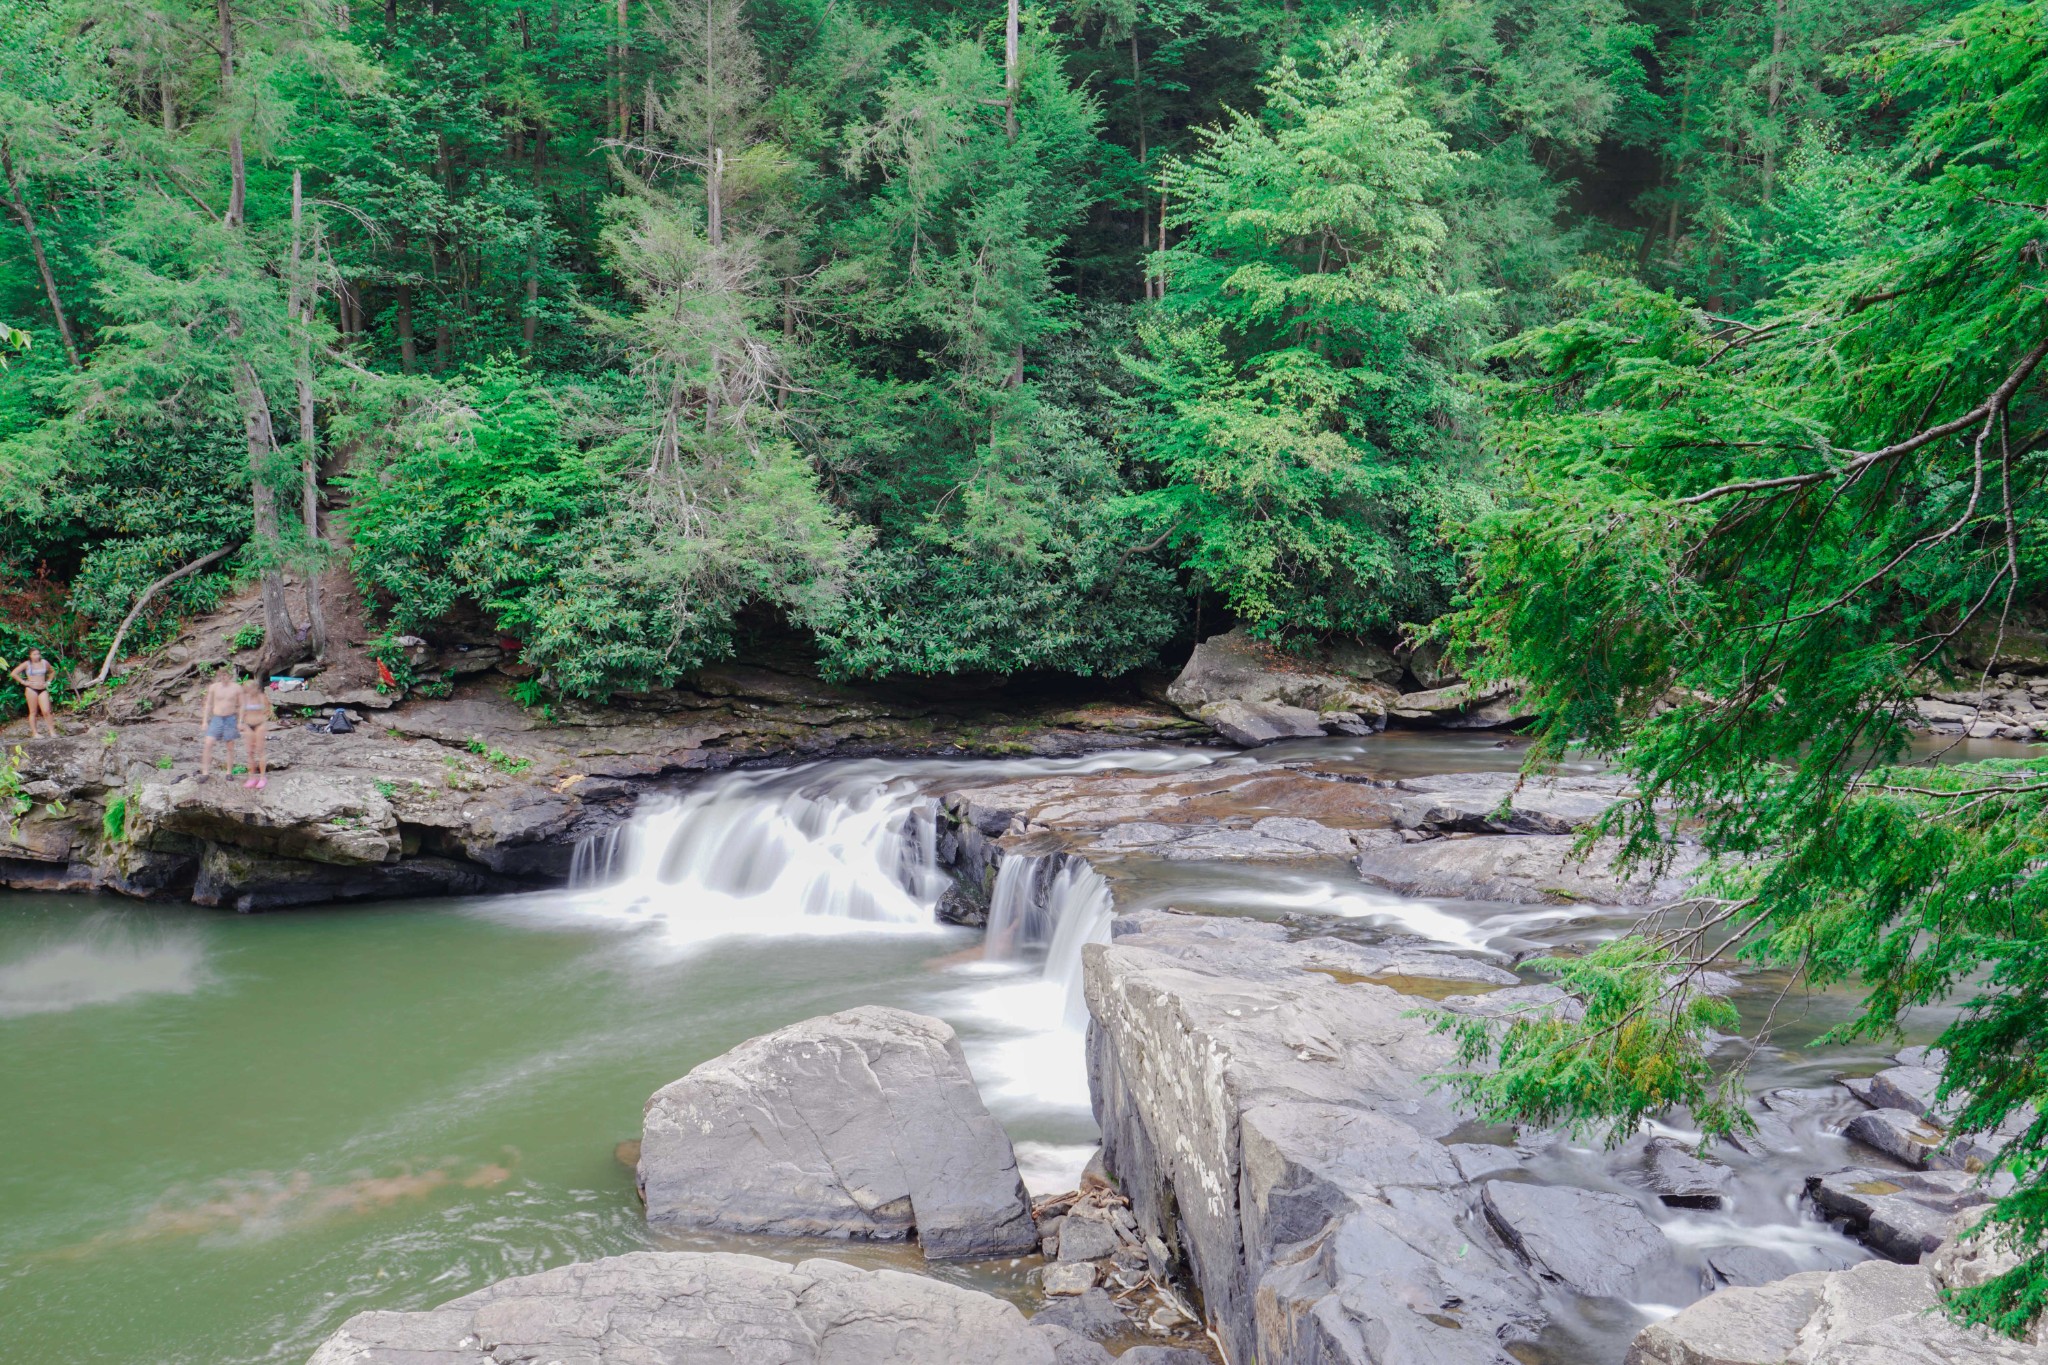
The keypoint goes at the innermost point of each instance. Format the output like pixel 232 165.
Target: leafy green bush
pixel 250 636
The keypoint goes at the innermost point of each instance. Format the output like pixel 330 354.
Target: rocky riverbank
pixel 472 792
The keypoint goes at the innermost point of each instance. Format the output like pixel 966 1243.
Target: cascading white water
pixel 1057 903
pixel 771 853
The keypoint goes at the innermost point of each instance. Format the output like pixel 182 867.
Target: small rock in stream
pixel 1680 1178
pixel 1092 1314
pixel 1901 1135
pixel 1069 1277
pixel 1086 1239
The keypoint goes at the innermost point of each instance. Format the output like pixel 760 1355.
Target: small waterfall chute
pixel 1059 904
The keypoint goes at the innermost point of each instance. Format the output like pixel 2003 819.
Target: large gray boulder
pixel 862 1124
pixel 1253 692
pixel 1875 1313
pixel 657 1308
pixel 1462 706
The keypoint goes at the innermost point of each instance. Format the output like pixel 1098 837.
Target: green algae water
pixel 222 1135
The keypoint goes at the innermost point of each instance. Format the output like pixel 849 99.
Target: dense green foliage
pixel 1739 547
pixel 830 313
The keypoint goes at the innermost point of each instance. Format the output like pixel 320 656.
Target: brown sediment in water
pixel 270 1203
pixel 1402 983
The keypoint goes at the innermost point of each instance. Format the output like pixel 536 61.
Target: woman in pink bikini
pixel 256 716
pixel 35 674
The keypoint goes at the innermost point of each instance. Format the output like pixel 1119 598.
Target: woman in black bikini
pixel 34 674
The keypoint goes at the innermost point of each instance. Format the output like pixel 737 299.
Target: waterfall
pixel 1057 903
pixel 793 851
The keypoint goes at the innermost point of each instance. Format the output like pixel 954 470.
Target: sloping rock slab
pixel 1875 1313
pixel 860 1124
pixel 1252 723
pixel 1598 1243
pixel 655 1306
pixel 1527 869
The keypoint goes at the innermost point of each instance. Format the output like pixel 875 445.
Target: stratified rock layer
pixel 702 1309
pixel 860 1124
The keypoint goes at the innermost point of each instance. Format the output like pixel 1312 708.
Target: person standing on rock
pixel 34 674
pixel 256 717
pixel 220 705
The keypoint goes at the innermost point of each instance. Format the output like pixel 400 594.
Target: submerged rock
pixel 860 1124
pixel 685 1306
pixel 1744 1266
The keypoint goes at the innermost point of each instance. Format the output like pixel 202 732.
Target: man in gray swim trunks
pixel 219 707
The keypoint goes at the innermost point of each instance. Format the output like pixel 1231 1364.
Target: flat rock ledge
pixel 862 1124
pixel 708 1309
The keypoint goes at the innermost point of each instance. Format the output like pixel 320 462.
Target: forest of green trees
pixel 1676 358
pixel 957 346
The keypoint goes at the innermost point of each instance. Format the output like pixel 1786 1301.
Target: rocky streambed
pixel 1225 967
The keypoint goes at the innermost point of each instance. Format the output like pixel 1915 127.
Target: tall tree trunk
pixel 625 96
pixel 168 100
pixel 280 636
pixel 390 17
pixel 1010 77
pixel 408 348
pixel 714 155
pixel 1138 103
pixel 27 218
pixel 238 171
pixel 1777 91
pixel 529 322
pixel 309 456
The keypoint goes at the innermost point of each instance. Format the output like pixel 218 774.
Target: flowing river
pixel 222 1134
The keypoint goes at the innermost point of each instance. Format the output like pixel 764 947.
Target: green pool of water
pixel 221 1135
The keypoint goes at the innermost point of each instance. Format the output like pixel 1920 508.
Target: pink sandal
pixel 250 784
pixel 261 783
